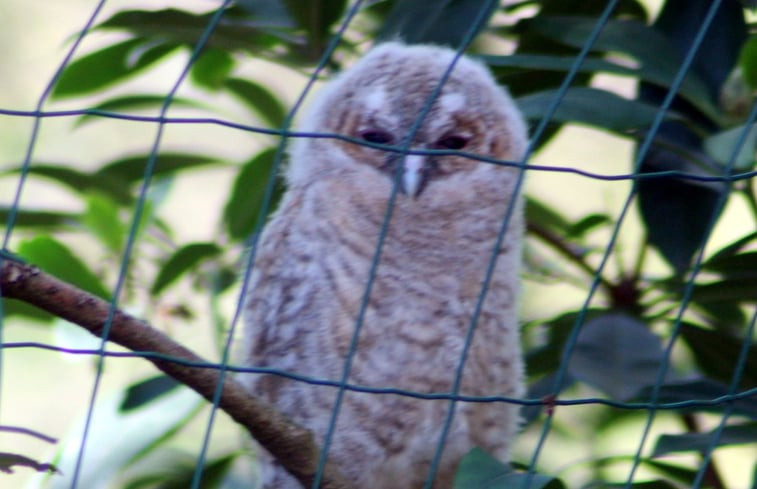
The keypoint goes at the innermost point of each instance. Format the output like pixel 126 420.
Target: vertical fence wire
pixel 343 383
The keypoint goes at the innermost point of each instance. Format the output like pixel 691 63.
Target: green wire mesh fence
pixel 662 342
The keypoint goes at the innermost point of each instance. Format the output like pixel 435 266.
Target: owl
pixel 314 259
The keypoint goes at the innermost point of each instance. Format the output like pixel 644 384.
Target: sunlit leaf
pixel 244 205
pixel 97 70
pixel 56 259
pixel 212 68
pixel 147 391
pixel 101 217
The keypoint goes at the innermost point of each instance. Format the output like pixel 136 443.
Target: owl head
pixel 380 99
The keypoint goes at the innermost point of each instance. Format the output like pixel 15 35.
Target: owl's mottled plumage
pixel 313 263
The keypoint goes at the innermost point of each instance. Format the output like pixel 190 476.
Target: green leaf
pixel 259 99
pixel 617 354
pixel 693 91
pixel 716 353
pixel 540 213
pixel 101 217
pixel 146 391
pixel 742 265
pixel 736 289
pixel 135 431
pixel 183 260
pixel 479 470
pixel 588 223
pixel 56 259
pixel 701 390
pixel 748 61
pixel 658 59
pixel 130 103
pixel 316 18
pixel 243 207
pixel 38 218
pixel 212 68
pixel 720 146
pixel 97 70
pixel 179 27
pixel 132 168
pixel 81 182
pixel 699 442
pixel 591 106
pixel 444 22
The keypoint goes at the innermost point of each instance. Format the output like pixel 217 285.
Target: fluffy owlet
pixel 313 263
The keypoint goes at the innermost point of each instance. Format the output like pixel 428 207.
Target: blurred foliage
pixel 702 303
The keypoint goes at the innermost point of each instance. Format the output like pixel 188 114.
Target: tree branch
pixel 292 445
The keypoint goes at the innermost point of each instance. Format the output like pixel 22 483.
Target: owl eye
pixel 376 136
pixel 452 141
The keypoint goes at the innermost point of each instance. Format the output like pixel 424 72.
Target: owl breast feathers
pixel 314 260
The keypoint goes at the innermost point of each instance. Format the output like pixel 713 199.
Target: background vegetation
pixel 651 297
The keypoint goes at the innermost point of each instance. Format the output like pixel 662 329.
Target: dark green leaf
pixel 146 391
pixel 680 21
pixel 178 27
pixel 243 207
pixel 32 218
pixel 716 353
pixel 703 391
pixel 183 260
pixel 699 442
pixel 693 91
pixel 259 99
pixel 678 213
pixel 727 290
pixel 212 68
pixel 56 259
pixel 81 182
pixel 316 18
pixel 617 354
pixel 743 265
pixel 97 70
pixel 444 22
pixel 591 106
pixel 733 248
pixel 273 12
pixel 130 103
pixel 177 471
pixel 132 168
pixel 101 217
pixel 657 484
pixel 479 470
pixel 539 213
pixel 588 223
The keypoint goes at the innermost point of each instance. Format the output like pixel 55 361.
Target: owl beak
pixel 414 175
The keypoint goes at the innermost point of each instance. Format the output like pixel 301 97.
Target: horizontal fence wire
pixel 342 385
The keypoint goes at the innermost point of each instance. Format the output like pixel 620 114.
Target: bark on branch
pixel 292 445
